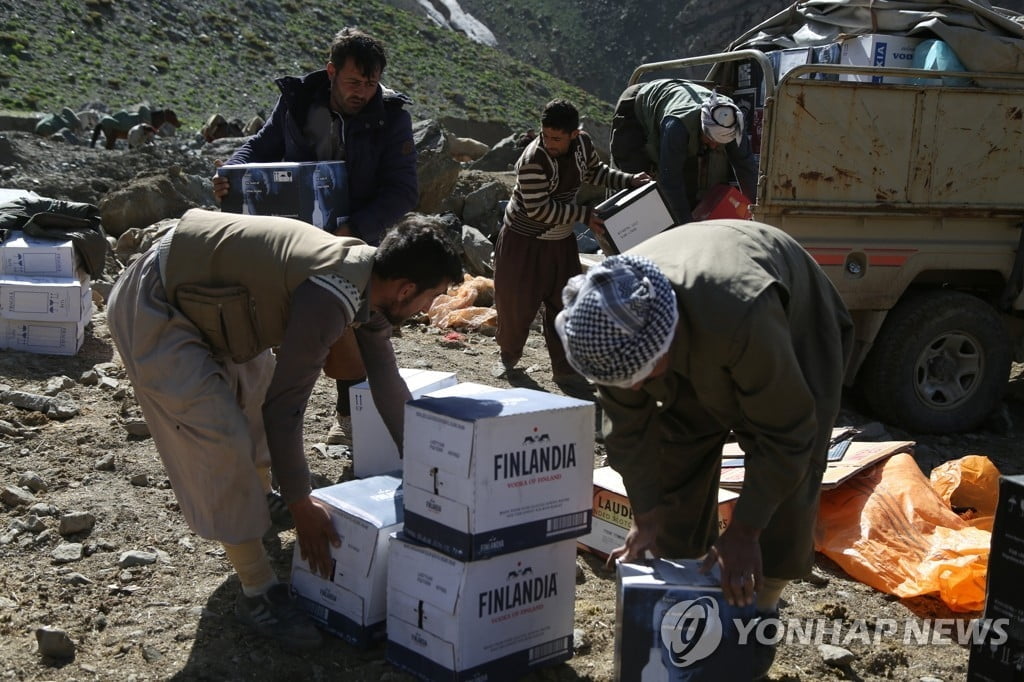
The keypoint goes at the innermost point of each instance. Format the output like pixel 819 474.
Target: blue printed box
pixel 315 192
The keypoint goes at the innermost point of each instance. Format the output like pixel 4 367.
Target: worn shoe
pixel 274 615
pixel 341 431
pixel 572 383
pixel 280 515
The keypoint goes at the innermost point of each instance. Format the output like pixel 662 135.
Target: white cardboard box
pixel 877 49
pixel 494 619
pixel 315 192
pixel 49 338
pixel 29 256
pixel 613 515
pixel 672 623
pixel 373 450
pixel 634 215
pixel 496 472
pixel 45 299
pixel 352 604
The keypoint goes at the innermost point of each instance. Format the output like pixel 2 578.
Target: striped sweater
pixel 538 208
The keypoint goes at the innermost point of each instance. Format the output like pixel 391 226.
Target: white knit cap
pixel 720 119
pixel 619 320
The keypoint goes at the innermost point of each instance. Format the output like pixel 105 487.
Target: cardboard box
pixel 495 619
pixel 856 457
pixel 315 192
pixel 373 450
pixel 876 49
pixel 497 472
pixel 45 299
pixel 47 338
pixel 1006 558
pixel 722 201
pixel 634 215
pixel 352 603
pixel 672 623
pixel 613 515
pixel 996 658
pixel 29 256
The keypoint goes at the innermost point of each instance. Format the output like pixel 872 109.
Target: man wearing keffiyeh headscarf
pixel 691 138
pixel 726 326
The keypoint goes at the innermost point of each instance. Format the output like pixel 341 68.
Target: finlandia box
pixel 878 50
pixel 29 256
pixel 672 623
pixel 351 602
pixel 47 338
pixel 634 215
pixel 315 192
pixel 496 472
pixel 373 450
pixel 613 514
pixel 45 299
pixel 494 619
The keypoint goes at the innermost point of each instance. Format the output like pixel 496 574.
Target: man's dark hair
pixel 560 115
pixel 418 249
pixel 366 50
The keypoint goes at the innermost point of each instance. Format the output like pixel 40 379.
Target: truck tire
pixel 940 363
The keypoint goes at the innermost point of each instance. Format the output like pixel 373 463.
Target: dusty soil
pixel 172 619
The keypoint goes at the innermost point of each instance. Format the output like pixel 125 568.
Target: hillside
pixel 222 55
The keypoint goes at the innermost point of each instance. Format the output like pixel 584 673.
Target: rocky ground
pixel 92 544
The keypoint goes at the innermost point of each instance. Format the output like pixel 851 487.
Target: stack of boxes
pixel 45 298
pixel 999 655
pixel 481 582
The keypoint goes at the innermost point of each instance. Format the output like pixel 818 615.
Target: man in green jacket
pixel 194 320
pixel 726 327
pixel 689 134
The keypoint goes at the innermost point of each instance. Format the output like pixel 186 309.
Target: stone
pixel 137 428
pixel 30 524
pixel 105 463
pixel 67 552
pixel 136 557
pixel 33 482
pixel 836 656
pixel 54 643
pixel 57 384
pixel 76 522
pixel 14 496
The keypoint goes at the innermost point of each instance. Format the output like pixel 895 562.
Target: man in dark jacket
pixel 343 113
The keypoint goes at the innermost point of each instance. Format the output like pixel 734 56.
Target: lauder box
pixel 373 450
pixel 494 619
pixel 613 515
pixel 351 603
pixel 672 623
pixel 496 472
pixel 45 299
pixel 634 215
pixel 315 192
pixel 30 256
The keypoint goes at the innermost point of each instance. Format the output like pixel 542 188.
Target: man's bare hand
pixel 220 183
pixel 738 554
pixel 316 533
pixel 641 539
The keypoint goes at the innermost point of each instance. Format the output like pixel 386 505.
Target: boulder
pixel 502 156
pixel 436 170
pixel 151 198
pixel 488 132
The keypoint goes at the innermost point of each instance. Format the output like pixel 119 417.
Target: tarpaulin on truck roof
pixel 985 38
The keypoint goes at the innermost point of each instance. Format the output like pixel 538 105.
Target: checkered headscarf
pixel 619 320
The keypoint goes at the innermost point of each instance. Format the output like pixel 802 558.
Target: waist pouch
pixel 225 316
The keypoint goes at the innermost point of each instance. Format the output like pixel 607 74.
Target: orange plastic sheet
pixel 888 528
pixel 466 307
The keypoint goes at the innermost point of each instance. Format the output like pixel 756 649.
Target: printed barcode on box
pixel 319 612
pixel 567 522
pixel 549 649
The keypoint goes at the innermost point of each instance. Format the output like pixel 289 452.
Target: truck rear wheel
pixel 940 363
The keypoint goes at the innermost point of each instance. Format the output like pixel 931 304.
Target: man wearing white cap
pixel 726 326
pixel 689 134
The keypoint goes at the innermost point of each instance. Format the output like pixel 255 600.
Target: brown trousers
pixel 529 273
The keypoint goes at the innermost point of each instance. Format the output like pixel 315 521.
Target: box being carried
pixel 613 515
pixel 495 619
pixel 373 450
pixel 722 201
pixel 29 256
pixel 315 192
pixel 634 215
pixel 877 49
pixel 672 623
pixel 496 472
pixel 351 604
pixel 45 299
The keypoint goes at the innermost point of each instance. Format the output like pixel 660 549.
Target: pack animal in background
pixel 140 134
